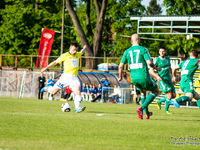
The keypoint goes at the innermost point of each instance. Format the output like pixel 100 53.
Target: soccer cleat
pixel 148 116
pixel 174 102
pixel 80 109
pixel 159 105
pixel 168 112
pixel 140 113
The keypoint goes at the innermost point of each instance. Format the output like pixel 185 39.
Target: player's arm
pixel 84 48
pixel 154 75
pixel 174 73
pixel 50 65
pixel 120 69
pixel 151 64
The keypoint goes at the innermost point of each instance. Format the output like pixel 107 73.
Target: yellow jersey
pixel 71 62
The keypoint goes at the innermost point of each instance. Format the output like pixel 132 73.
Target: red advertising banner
pixel 44 48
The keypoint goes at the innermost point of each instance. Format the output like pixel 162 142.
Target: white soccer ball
pixel 66 107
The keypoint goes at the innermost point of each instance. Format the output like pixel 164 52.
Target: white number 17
pixel 137 56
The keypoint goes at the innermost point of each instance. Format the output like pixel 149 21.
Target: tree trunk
pixel 90 63
pixel 36 5
pixel 78 27
pixel 81 34
pixel 99 27
pixel 88 23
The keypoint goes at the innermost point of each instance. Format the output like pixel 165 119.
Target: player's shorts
pixel 187 86
pixel 166 86
pixel 67 80
pixel 148 84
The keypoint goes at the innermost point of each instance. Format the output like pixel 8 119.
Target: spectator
pixel 50 84
pixel 41 80
pixel 98 94
pixel 68 93
pixel 116 94
pixel 83 91
pixel 87 94
pixel 105 87
pixel 92 92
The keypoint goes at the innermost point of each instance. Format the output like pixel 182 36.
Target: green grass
pixel 31 124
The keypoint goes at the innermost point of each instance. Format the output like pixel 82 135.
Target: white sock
pixel 77 101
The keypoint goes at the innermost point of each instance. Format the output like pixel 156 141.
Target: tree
pixel 182 45
pixel 21 24
pixel 104 32
pixel 92 50
pixel 182 7
pixel 153 8
pixel 121 26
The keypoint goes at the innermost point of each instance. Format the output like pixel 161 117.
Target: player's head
pixel 135 39
pixel 194 53
pixel 162 52
pixel 73 48
pixel 100 85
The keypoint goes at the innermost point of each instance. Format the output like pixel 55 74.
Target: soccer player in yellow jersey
pixel 69 77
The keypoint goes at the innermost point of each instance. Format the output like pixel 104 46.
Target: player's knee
pixel 77 90
pixel 190 95
pixel 53 90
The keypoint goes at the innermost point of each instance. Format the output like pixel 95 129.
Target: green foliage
pixel 182 7
pixel 21 26
pixel 181 44
pixel 118 24
pixel 153 8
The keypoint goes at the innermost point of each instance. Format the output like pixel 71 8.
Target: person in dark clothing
pixel 105 88
pixel 99 90
pixel 41 80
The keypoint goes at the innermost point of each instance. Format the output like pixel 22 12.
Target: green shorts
pixel 166 86
pixel 148 84
pixel 187 86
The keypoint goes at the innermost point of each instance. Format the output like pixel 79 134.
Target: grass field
pixel 31 124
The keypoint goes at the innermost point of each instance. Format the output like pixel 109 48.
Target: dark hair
pixel 74 44
pixel 162 48
pixel 194 53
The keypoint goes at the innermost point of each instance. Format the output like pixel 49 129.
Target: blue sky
pixel 146 3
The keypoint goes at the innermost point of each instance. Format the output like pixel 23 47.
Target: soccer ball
pixel 66 107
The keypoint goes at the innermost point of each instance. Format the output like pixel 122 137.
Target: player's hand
pixel 158 68
pixel 84 47
pixel 43 70
pixel 119 79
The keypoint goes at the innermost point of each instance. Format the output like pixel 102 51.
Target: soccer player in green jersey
pixel 165 84
pixel 139 59
pixel 188 68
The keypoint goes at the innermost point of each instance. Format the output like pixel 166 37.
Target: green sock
pixel 198 103
pixel 148 100
pixel 162 100
pixel 183 99
pixel 143 97
pixel 167 104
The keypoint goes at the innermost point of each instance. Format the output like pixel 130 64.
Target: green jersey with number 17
pixel 188 68
pixel 136 56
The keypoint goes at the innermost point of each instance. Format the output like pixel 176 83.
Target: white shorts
pixel 67 79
